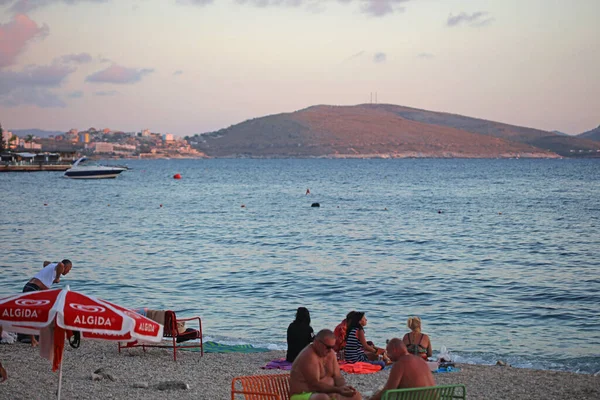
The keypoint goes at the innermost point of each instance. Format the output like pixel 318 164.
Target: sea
pixel 498 257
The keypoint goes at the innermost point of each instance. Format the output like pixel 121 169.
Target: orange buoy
pixel 177 176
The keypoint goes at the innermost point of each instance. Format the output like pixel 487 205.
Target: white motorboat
pixel 88 171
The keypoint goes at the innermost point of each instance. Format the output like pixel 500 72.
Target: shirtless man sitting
pixel 409 371
pixel 315 373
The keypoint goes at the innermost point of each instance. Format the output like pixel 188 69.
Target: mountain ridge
pixel 384 130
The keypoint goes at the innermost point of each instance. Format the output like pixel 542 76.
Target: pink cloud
pixel 30 86
pixel 118 74
pixel 22 6
pixel 15 35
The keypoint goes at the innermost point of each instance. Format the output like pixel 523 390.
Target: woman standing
pixel 299 334
pixel 416 342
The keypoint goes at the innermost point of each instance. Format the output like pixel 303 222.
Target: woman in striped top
pixel 357 347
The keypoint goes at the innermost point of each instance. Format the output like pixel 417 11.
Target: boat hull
pixel 92 175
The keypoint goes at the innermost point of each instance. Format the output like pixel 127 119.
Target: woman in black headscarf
pixel 299 334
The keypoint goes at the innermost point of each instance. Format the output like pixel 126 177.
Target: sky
pixel 194 66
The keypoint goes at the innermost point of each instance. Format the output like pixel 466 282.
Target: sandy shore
pixel 209 377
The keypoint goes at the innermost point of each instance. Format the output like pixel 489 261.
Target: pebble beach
pixel 209 377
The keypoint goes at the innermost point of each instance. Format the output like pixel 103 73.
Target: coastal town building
pixel 102 147
pixel 84 137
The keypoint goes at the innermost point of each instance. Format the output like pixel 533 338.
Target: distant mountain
pixel 561 133
pixel 562 145
pixel 36 132
pixel 594 134
pixel 384 130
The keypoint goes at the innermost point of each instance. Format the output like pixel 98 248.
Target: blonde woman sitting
pixel 416 342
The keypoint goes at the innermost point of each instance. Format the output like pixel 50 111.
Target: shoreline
pixel 209 377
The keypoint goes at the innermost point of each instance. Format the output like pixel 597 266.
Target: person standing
pixel 3 374
pixel 48 276
pixel 44 280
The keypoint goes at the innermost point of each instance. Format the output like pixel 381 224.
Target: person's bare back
pixel 409 371
pixel 413 372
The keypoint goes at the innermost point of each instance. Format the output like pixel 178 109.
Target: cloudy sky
pixel 192 66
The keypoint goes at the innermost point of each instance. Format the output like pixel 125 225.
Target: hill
pixel 560 144
pixel 594 134
pixel 36 132
pixel 381 130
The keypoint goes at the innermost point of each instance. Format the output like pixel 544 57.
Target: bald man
pixel 409 371
pixel 315 373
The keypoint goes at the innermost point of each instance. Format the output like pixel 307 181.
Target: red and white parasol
pixel 65 310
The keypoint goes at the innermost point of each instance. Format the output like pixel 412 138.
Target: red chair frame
pixel 171 331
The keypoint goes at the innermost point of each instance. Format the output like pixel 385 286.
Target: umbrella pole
pixel 59 380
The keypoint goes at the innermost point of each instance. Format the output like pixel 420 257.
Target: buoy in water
pixel 161 205
pixel 177 176
pixel 315 205
pixel 243 206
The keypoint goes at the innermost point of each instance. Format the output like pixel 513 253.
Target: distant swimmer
pixel 307 191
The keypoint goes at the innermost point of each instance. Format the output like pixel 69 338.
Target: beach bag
pixel 444 356
pixel 340 336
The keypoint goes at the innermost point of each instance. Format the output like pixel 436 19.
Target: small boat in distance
pixel 78 171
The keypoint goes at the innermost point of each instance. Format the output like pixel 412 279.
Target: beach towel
pixel 279 363
pixel 359 368
pixel 446 369
pixel 156 315
pixel 214 347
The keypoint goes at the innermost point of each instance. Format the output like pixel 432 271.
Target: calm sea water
pixel 509 269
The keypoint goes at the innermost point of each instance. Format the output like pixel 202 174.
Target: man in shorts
pixel 315 373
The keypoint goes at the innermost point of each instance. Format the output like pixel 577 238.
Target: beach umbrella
pixel 53 314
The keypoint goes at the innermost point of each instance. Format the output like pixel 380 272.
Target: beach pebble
pixel 103 374
pixel 96 377
pixel 140 385
pixel 171 385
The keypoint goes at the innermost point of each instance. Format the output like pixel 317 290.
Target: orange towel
pixel 359 368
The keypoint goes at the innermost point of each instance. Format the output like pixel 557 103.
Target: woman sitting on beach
pixel 340 334
pixel 357 347
pixel 417 343
pixel 299 334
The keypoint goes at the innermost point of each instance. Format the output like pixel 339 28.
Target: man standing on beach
pixel 49 275
pixel 3 375
pixel 409 371
pixel 315 373
pixel 43 280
